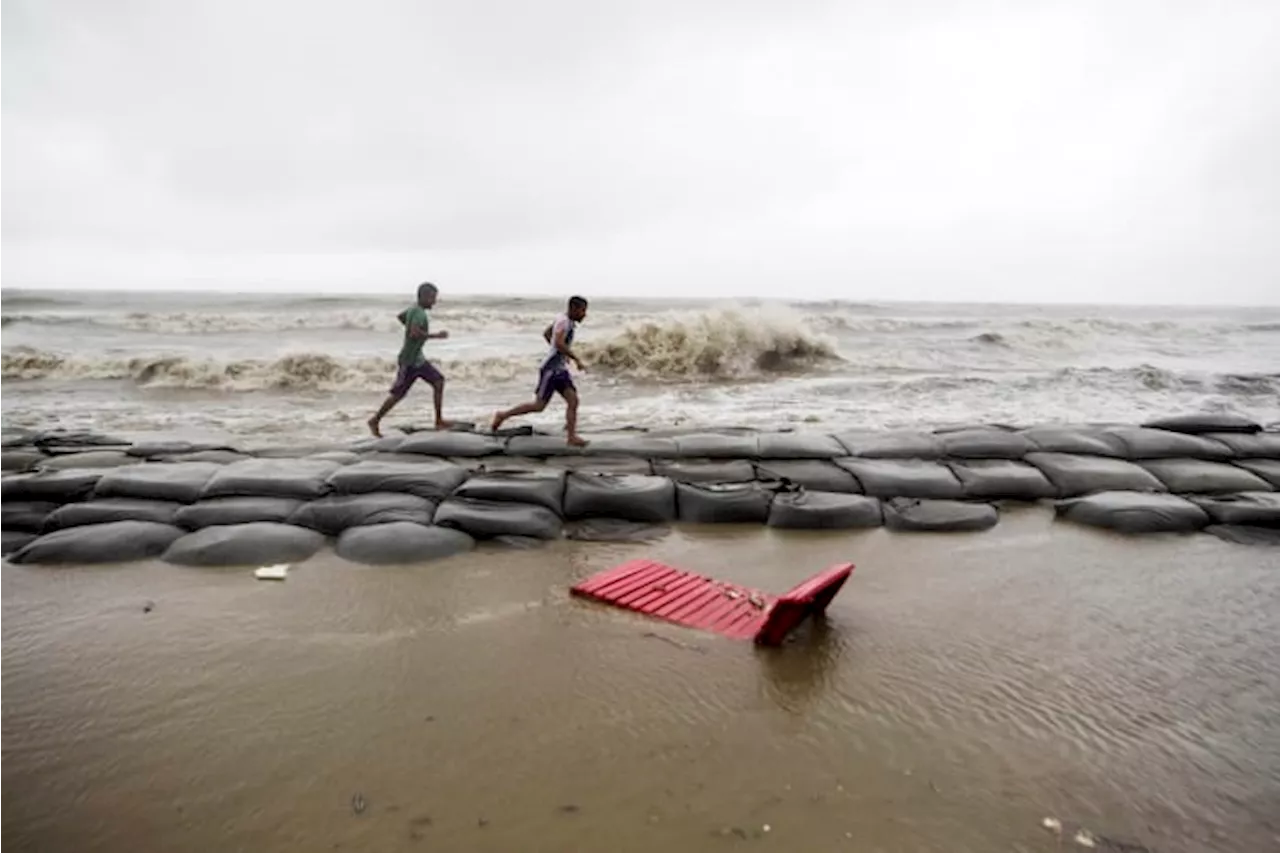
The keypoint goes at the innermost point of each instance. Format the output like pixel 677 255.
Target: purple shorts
pixel 410 373
pixel 555 380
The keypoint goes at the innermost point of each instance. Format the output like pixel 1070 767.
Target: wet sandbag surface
pixel 91 459
pixel 176 481
pixel 26 516
pixel 401 542
pixel 1083 441
pixel 1002 479
pixel 716 446
pixel 280 478
pixel 114 542
pixel 615 530
pixel 1142 443
pixel 903 478
pixel 799 445
pixel 1262 445
pixel 705 470
pixel 938 516
pixel 1267 469
pixel 14 540
pixel 256 544
pixel 984 444
pixel 1075 475
pixel 427 479
pixel 602 464
pixel 52 486
pixel 819 475
pixel 626 496
pixel 1135 512
pixel 1199 476
pixel 807 510
pixel 448 443
pixel 543 488
pixel 723 503
pixel 490 519
pixel 1259 509
pixel 897 444
pixel 1204 423
pixel 1243 534
pixel 21 460
pixel 333 514
pixel 224 511
pixel 102 510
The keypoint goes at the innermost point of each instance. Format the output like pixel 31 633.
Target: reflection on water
pixel 954 697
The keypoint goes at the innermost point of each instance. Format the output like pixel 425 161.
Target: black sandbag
pixel 615 530
pixel 76 439
pixel 401 542
pixel 894 444
pixel 712 445
pixel 386 444
pixel 88 459
pixel 937 516
pixel 1243 534
pixel 289 451
pixel 278 478
pixel 806 510
pixel 1261 445
pixel 449 443
pixel 642 446
pixel 113 542
pixel 1142 443
pixel 342 457
pixel 705 470
pixel 258 543
pixel 1258 509
pixel 1135 512
pixel 21 460
pixel 544 488
pixel 819 475
pixel 17 437
pixel 1002 479
pixel 903 478
pixel 14 540
pixel 112 509
pixel 219 457
pixel 227 511
pixel 489 519
pixel 723 503
pixel 799 445
pixel 603 464
pixel 1267 469
pixel 501 464
pixel 627 496
pixel 540 446
pixel 430 479
pixel 177 481
pixel 1199 476
pixel 1198 424
pixel 333 514
pixel 985 443
pixel 52 486
pixel 1076 440
pixel 26 516
pixel 1075 475
pixel 152 449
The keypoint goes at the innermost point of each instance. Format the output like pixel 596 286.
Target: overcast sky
pixel 1094 151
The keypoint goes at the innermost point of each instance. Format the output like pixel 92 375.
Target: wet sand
pixel 963 688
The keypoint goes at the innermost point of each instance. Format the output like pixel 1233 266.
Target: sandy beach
pixel 963 688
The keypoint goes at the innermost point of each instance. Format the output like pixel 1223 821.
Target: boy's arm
pixel 546 333
pixel 403 316
pixel 563 348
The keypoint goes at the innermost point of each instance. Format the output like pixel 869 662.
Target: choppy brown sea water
pixel 962 689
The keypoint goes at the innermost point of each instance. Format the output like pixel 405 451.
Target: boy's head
pixel 427 294
pixel 577 309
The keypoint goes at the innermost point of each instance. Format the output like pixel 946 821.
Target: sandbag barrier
pixel 82 497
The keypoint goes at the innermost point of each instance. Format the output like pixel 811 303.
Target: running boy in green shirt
pixel 411 365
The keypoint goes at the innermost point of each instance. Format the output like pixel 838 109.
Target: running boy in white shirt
pixel 553 375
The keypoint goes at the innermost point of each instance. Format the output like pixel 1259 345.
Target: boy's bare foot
pixel 575 441
pixel 373 427
pixel 496 423
pixel 444 424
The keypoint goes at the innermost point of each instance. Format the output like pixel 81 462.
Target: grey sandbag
pixel 936 516
pixel 27 516
pixel 60 438
pixel 539 446
pixel 723 503
pixel 1075 475
pixel 615 530
pixel 151 449
pixel 289 451
pixel 14 540
pixel 712 445
pixel 1198 476
pixel 1135 512
pixel 218 457
pixel 985 443
pixel 258 543
pixel 427 479
pixel 1244 534
pixel 1079 440
pixel 1143 443
pixel 544 488
pixel 401 542
pixel 278 478
pixel 1002 479
pixel 21 460
pixel 894 444
pixel 819 475
pixel 806 510
pixel 1197 424
pixel 490 519
pixel 333 514
pixel 112 509
pixel 449 443
pixel 342 457
pixel 643 446
pixel 799 445
pixel 53 486
pixel 1267 469
pixel 225 511
pixel 632 497
pixel 113 542
pixel 603 464
pixel 175 481
pixel 903 478
pixel 1258 509
pixel 1260 445
pixel 88 459
pixel 705 470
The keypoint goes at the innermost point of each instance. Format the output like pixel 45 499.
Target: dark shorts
pixel 555 380
pixel 408 374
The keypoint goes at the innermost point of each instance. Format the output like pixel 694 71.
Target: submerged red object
pixel 697 601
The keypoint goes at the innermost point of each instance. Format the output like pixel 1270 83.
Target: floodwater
pixel 962 689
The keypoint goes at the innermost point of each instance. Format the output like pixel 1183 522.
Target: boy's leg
pixel 570 394
pixel 541 396
pixel 400 387
pixel 435 379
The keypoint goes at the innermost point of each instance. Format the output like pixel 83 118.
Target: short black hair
pixel 577 302
pixel 427 287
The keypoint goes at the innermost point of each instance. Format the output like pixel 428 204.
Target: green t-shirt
pixel 411 352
